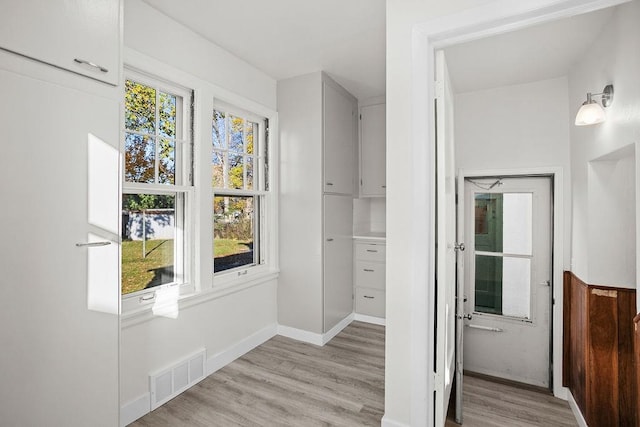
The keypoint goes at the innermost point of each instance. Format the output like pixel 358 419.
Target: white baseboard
pixel 137 408
pixel 131 411
pixel 386 422
pixel 328 336
pixel 576 410
pixel 370 319
pixel 312 337
pixel 300 335
pixel 223 358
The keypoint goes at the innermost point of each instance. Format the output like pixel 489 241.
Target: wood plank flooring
pixel 288 383
pixel 491 404
pixel 284 382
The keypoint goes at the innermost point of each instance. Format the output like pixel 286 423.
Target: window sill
pixel 145 313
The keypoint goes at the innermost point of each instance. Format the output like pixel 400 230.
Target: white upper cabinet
pixel 373 131
pixel 82 36
pixel 340 132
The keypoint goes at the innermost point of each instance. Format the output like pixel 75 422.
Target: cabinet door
pixel 58 301
pixel 339 141
pixel 338 259
pixel 373 130
pixel 70 34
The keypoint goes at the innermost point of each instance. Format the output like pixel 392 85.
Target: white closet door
pixel 59 322
pixel 340 164
pixel 338 259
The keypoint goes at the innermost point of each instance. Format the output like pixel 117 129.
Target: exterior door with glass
pixel 508 272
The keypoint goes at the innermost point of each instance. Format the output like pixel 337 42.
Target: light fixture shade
pixel 590 113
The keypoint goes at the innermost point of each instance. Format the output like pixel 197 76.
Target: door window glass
pixel 503 250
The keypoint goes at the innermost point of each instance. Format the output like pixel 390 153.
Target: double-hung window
pixel 157 187
pixel 240 186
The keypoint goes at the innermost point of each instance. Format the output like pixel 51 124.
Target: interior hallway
pixel 492 404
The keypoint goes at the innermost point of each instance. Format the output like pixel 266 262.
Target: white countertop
pixel 371 235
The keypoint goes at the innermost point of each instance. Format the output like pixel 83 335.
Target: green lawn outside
pixel 138 272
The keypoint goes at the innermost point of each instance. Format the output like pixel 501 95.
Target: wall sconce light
pixel 591 112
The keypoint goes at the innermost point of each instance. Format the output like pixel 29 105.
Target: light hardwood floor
pixel 491 404
pixel 288 383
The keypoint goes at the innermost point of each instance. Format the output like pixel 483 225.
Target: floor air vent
pixel 170 382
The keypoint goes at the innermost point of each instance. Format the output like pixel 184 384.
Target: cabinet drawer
pixel 370 252
pixel 370 302
pixel 370 274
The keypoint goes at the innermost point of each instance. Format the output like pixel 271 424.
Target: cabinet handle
pixel 91 64
pixel 384 186
pixel 330 183
pixel 372 251
pixel 330 239
pixel 92 244
pixel 368 297
pixel 368 270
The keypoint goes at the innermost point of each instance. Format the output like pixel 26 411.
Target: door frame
pixel 555 175
pixel 495 17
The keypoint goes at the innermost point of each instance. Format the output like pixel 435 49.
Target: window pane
pixel 167 110
pixel 140 107
pixel 250 132
pixel 219 135
pixel 517 223
pixel 249 164
pixel 236 140
pixel 167 167
pixel 488 222
pixel 503 285
pixel 236 171
pixel 234 232
pixel 217 169
pixel 516 287
pixel 140 154
pixel 488 286
pixel 148 241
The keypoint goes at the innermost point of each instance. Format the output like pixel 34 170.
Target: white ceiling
pixel 287 38
pixel 346 38
pixel 536 53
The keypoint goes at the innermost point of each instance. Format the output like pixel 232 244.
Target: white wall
pixel 613 58
pixel 515 127
pixel 401 17
pixel 149 31
pixel 217 321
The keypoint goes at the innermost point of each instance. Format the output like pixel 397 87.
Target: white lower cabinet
pixel 369 275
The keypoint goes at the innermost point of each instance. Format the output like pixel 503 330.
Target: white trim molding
pixel 137 408
pixel 224 357
pixel 387 422
pixel 370 319
pixel 313 337
pixel 576 411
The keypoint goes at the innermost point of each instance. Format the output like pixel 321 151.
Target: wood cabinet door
pixel 82 36
pixel 339 141
pixel 373 130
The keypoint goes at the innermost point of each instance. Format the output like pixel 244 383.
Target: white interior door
pixel 58 301
pixel 446 240
pixel 508 266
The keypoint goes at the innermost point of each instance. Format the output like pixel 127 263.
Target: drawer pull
pixel 368 297
pixel 368 270
pixel 372 251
